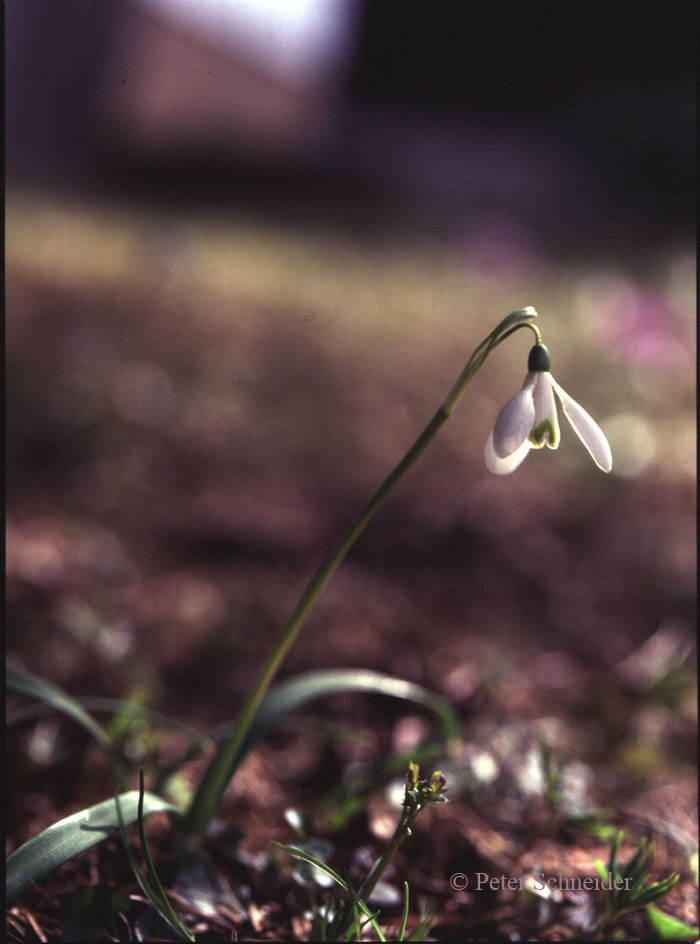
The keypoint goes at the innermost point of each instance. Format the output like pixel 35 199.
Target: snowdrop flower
pixel 529 420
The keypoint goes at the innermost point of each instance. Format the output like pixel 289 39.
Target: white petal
pixel 500 466
pixel 545 412
pixel 586 428
pixel 514 422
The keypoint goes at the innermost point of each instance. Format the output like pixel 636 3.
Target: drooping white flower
pixel 529 420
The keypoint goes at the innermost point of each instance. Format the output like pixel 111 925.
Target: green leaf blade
pixel 24 683
pixel 307 857
pixel 289 695
pixel 312 860
pixel 70 836
pixel 670 928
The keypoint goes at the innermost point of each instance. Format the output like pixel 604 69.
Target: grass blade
pixel 70 836
pixel 24 683
pixel 600 868
pixel 657 890
pixel 404 914
pixel 420 932
pixel 669 928
pixel 156 719
pixel 158 896
pixel 307 857
pixel 638 863
pixel 292 694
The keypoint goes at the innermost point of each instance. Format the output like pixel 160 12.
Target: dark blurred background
pixel 253 238
pixel 574 118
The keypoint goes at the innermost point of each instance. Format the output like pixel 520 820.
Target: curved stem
pixel 222 766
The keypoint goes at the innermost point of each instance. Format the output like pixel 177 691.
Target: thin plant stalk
pixel 419 794
pixel 404 913
pixel 218 774
pixel 402 830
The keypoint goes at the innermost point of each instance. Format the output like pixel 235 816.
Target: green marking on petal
pixel 544 435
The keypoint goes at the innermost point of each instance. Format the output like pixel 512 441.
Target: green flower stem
pixel 419 794
pixel 221 768
pixel 370 882
pixel 402 830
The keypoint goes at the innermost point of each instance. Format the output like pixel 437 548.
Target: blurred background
pixel 576 126
pixel 250 246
